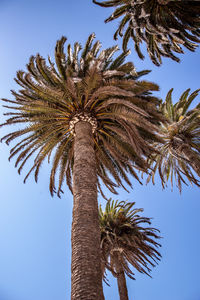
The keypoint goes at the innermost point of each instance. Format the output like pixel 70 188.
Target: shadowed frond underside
pixel 127 239
pixel 164 26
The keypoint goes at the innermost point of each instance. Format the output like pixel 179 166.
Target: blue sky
pixel 35 228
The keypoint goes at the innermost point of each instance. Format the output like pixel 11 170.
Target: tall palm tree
pixel 92 114
pixel 126 241
pixel 179 155
pixel 163 25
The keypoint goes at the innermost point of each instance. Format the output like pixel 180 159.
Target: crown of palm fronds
pixel 90 86
pixel 125 237
pixel 163 25
pixel 180 152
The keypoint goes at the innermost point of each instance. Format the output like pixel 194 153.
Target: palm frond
pixel 83 85
pixel 179 155
pixel 163 25
pixel 126 239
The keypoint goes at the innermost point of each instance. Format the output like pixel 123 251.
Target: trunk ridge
pixel 86 264
pixel 121 281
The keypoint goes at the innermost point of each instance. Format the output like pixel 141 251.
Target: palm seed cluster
pixel 85 118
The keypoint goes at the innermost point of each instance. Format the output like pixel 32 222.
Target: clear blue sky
pixel 35 228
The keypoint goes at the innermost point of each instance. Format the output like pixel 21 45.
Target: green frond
pixel 163 28
pixel 88 46
pixel 95 49
pixel 108 3
pixel 126 239
pixel 84 83
pixel 126 38
pixel 60 57
pixel 190 100
pixel 179 155
pixel 122 24
pixel 117 13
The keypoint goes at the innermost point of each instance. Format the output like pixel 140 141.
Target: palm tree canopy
pixel 180 153
pixel 87 86
pixel 163 25
pixel 129 235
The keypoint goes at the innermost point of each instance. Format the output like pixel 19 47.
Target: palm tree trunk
pixel 121 281
pixel 86 267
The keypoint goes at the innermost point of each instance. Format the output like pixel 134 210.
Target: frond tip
pixel 83 84
pixel 179 153
pixel 126 239
pixel 164 26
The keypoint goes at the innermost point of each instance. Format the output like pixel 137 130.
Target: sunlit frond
pixel 83 85
pixel 179 157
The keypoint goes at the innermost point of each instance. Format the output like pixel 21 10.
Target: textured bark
pixel 86 266
pixel 121 281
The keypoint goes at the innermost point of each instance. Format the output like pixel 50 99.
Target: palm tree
pixel 163 25
pixel 180 153
pixel 92 114
pixel 126 241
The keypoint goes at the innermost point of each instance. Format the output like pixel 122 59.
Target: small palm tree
pixel 126 242
pixel 97 120
pixel 179 155
pixel 165 26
